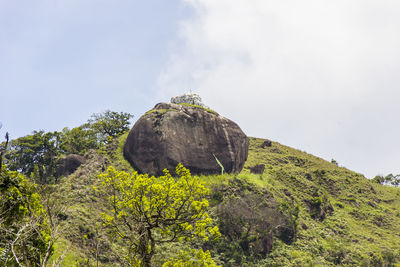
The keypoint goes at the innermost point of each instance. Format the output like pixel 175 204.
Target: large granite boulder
pixel 196 137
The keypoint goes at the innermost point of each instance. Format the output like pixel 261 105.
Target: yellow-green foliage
pixel 24 231
pixel 148 210
pixel 191 258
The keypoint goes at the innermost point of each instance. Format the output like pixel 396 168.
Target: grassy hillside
pixel 344 218
pixel 300 211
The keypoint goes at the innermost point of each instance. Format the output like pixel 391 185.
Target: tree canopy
pixel 109 124
pixel 389 179
pixel 78 140
pixel 148 211
pixel 39 151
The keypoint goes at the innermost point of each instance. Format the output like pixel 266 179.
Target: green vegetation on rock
pixel 198 106
pixel 159 111
pixel 162 111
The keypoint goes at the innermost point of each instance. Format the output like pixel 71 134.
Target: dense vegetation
pixel 300 210
pixel 38 153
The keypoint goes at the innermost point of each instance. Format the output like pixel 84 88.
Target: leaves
pixel 37 150
pixel 78 140
pixel 149 210
pixel 109 124
pixel 192 257
pixel 24 232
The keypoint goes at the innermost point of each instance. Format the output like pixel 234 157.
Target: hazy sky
pixel 321 76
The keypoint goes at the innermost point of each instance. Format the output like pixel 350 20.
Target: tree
pixel 109 124
pixel 392 179
pixel 379 179
pixel 389 179
pixel 38 150
pixel 78 140
pixel 99 130
pixel 148 211
pixel 25 235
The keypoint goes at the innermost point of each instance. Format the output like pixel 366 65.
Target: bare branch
pixel 14 241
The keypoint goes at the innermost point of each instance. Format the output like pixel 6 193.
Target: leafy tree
pixel 147 211
pixel 109 124
pixel 25 235
pixel 379 179
pixel 99 130
pixel 392 179
pixel 38 150
pixel 38 153
pixel 389 179
pixel 78 140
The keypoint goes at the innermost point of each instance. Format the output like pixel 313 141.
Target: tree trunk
pixel 146 246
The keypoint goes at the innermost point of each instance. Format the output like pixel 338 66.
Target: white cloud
pixel 321 76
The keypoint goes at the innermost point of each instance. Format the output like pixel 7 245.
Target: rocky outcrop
pixel 69 164
pixel 266 143
pixel 171 133
pixel 258 169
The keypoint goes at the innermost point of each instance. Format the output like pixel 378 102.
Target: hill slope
pixel 301 210
pixel 344 218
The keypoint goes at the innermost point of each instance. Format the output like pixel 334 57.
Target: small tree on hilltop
pixel 389 179
pixel 109 124
pixel 148 211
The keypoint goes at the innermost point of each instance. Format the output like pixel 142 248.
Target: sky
pixel 317 75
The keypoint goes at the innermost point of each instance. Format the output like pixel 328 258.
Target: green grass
pixel 117 155
pixel 159 111
pixel 163 111
pixel 365 223
pixel 65 253
pixel 197 106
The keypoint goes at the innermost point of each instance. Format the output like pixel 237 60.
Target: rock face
pixel 258 169
pixel 267 143
pixel 69 164
pixel 172 133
